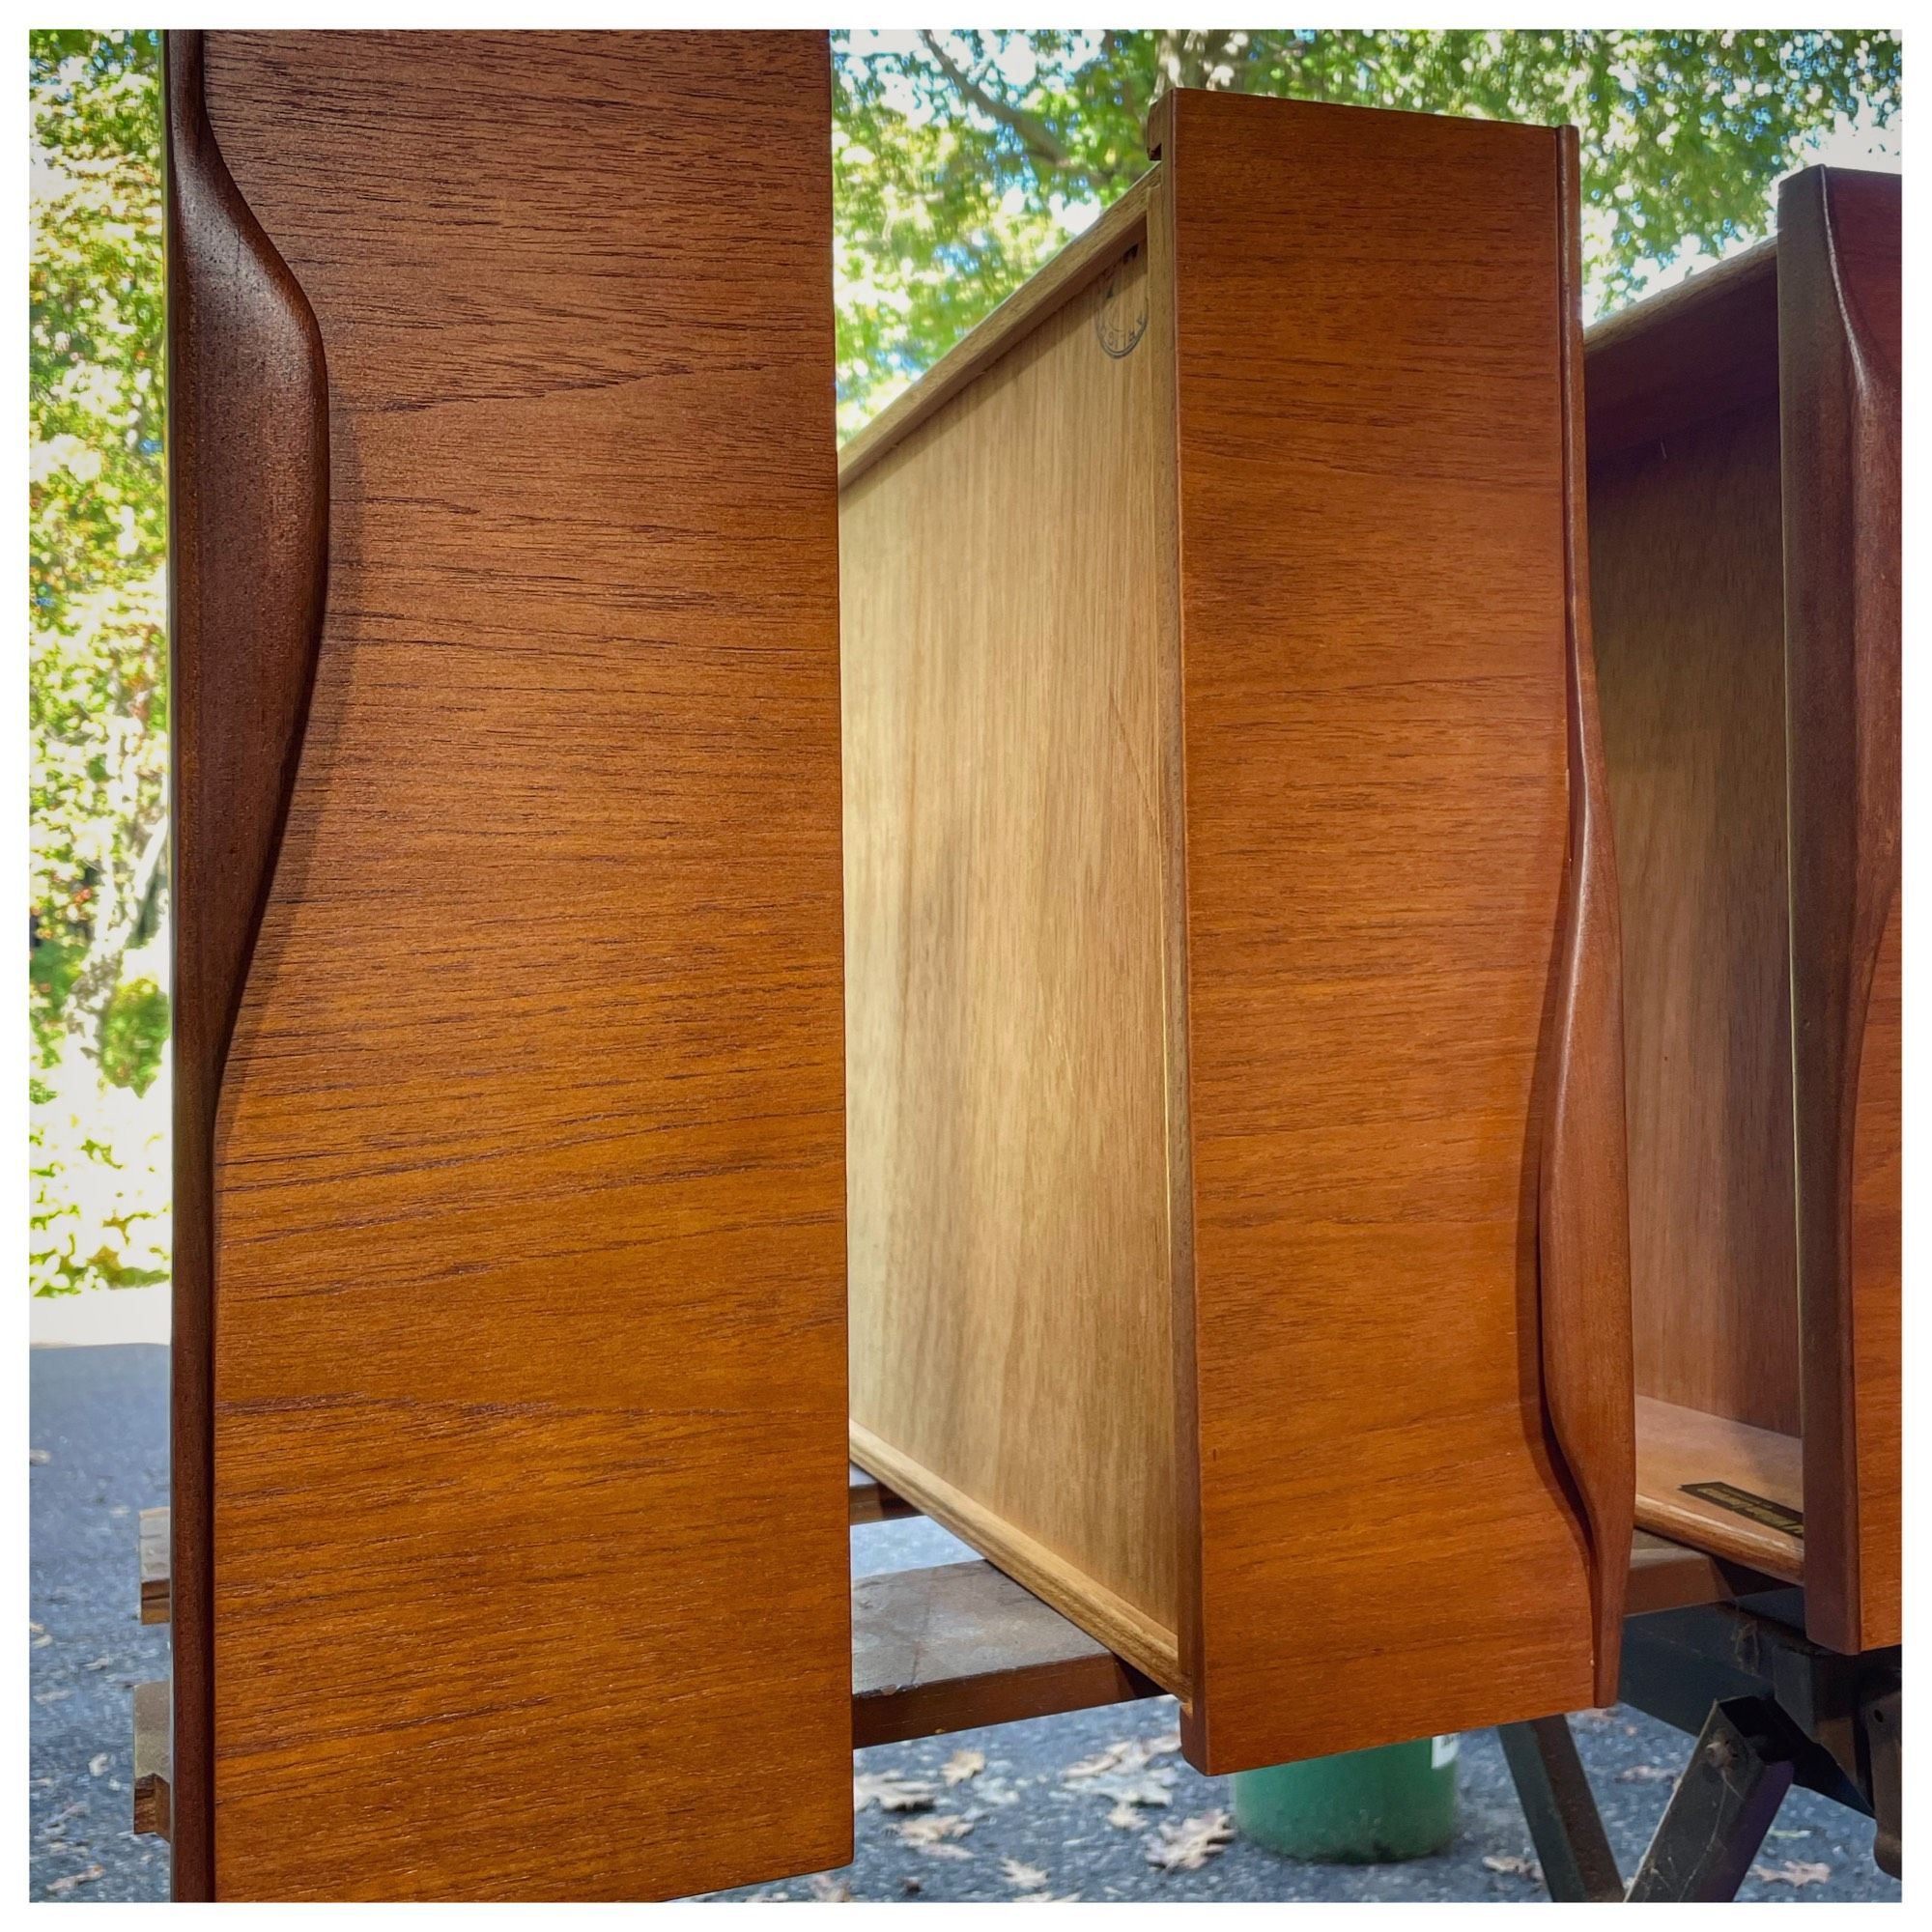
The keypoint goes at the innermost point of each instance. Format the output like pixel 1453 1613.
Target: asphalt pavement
pixel 1016 1812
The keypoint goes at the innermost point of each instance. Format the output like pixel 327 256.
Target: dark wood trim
pixel 247 561
pixel 1841 355
pixel 1582 1205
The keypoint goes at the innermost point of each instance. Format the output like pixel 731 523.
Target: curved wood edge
pixel 1582 1189
pixel 1839 355
pixel 248 562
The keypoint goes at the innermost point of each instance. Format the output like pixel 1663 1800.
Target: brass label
pixel 1742 1502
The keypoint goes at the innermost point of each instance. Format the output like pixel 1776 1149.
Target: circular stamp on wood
pixel 1123 317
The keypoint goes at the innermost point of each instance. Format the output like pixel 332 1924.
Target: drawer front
pixel 510 1339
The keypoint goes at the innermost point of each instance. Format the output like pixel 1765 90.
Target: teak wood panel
pixel 1375 315
pixel 1743 513
pixel 1688 589
pixel 1840 356
pixel 1224 1037
pixel 528 1172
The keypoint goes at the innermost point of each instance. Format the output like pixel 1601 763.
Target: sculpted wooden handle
pixel 1582 1194
pixel 248 563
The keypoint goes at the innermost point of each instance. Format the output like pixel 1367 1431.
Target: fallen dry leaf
pixel 1128 1754
pixel 1647 1774
pixel 61 1887
pixel 929 1834
pixel 890 1792
pixel 1190 1844
pixel 962 1765
pixel 1794 1872
pixel 831 1891
pixel 1023 1877
pixel 1516 1867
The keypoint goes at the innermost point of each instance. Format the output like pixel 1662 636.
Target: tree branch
pixel 1038 139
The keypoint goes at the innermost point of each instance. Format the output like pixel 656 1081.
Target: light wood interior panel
pixel 1012 1359
pixel 1686 563
pixel 1722 1486
pixel 531 1172
pixel 1374 625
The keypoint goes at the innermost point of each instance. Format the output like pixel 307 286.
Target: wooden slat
pixel 1677 1447
pixel 157 1593
pixel 869 1500
pixel 153 1792
pixel 961 1645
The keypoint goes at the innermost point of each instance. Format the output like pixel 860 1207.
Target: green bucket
pixel 1364 1807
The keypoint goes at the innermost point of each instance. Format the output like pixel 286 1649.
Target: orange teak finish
pixel 1745 532
pixel 1245 647
pixel 528 1463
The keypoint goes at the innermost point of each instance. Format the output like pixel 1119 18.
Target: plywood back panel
pixel 1686 564
pixel 1011 1362
pixel 1372 501
pixel 529 1421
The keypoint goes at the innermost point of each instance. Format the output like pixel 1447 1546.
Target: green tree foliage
pixel 96 678
pixel 964 159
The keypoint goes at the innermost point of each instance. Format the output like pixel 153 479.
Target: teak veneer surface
pixel 1687 588
pixel 1207 803
pixel 1678 1447
pixel 1840 373
pixel 1370 420
pixel 529 1173
pixel 1745 537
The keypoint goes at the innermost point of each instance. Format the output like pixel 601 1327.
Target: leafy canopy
pixel 963 158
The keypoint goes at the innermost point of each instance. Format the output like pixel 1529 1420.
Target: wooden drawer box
pixel 1234 1148
pixel 1744 567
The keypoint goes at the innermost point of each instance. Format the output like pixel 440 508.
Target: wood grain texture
pixel 1582 1237
pixel 1089 257
pixel 1678 1446
pixel 1372 609
pixel 1685 535
pixel 530 1154
pixel 1840 365
pixel 247 572
pixel 1011 1366
pixel 1700 350
pixel 960 1645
